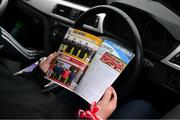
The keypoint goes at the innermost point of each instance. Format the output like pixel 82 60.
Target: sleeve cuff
pixel 38 77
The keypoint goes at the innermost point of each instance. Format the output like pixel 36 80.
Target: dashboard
pixel 157 23
pixel 66 11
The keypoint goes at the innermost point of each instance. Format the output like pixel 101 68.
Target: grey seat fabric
pixel 174 113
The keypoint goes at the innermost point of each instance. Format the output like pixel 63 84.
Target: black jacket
pixel 22 97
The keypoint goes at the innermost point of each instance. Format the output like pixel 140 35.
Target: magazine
pixel 87 65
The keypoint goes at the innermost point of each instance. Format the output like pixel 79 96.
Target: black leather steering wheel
pixel 109 10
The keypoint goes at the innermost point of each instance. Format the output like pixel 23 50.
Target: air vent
pixel 62 10
pixel 67 12
pixel 73 14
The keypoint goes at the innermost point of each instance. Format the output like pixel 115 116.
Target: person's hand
pixel 45 64
pixel 107 104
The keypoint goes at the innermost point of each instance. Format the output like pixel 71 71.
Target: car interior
pixel 31 29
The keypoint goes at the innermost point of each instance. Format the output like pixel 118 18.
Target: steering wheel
pixel 128 85
pixel 3 5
